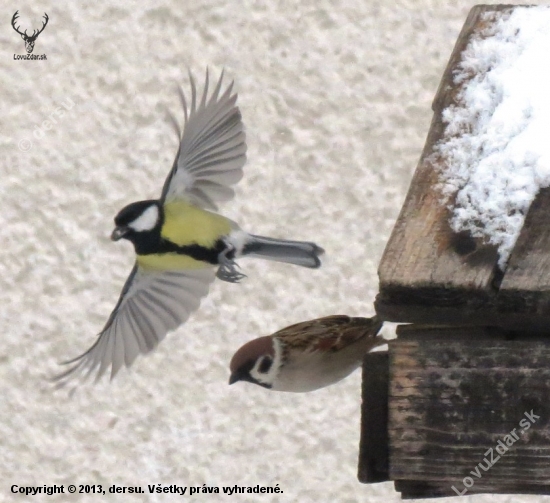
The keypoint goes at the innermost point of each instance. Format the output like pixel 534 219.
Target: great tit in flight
pixel 181 245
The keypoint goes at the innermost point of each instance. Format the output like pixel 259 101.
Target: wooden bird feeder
pixel 460 403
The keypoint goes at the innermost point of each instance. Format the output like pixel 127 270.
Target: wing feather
pixel 132 349
pixel 216 122
pixel 224 177
pixel 104 348
pixel 145 344
pixel 117 356
pixel 151 304
pixel 148 337
pixel 212 150
pixel 160 301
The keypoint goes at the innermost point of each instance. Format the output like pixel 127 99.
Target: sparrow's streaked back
pixel 307 356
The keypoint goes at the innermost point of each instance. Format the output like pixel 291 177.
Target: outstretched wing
pixel 151 304
pixel 212 150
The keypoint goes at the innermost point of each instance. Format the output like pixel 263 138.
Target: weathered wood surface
pixel 528 269
pixel 413 490
pixel 456 393
pixel 430 274
pixel 373 446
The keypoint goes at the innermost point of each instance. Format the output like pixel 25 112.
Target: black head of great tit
pixel 141 223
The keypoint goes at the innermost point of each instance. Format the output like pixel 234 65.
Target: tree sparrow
pixel 307 356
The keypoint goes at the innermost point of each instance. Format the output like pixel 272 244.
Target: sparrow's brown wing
pixel 331 333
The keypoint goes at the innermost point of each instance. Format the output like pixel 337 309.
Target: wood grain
pixel 453 398
pixel 429 274
pixel 526 284
pixel 423 251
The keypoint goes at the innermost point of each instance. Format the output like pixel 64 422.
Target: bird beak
pixel 235 376
pixel 118 233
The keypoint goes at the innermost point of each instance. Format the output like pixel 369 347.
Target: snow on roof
pixel 496 145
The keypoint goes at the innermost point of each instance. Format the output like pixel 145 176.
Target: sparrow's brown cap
pixel 251 351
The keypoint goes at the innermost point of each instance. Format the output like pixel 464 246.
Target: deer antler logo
pixel 29 39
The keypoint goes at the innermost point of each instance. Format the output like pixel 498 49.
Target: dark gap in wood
pixel 498 276
pixel 463 243
pixel 373 446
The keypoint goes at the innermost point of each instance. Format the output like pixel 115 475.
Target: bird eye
pixel 265 365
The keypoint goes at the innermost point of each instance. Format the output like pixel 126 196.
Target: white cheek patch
pixel 146 221
pixel 270 376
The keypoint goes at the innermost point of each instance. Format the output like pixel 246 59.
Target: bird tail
pixel 301 253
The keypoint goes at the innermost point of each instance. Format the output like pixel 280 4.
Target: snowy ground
pixel 336 100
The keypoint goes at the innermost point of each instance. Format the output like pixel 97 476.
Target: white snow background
pixel 336 98
pixel 495 150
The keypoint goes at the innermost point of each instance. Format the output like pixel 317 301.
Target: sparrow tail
pixel 301 253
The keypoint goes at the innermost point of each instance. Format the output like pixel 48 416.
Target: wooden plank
pixel 425 262
pixel 411 489
pixel 526 284
pixel 454 397
pixel 460 331
pixel 428 274
pixel 373 446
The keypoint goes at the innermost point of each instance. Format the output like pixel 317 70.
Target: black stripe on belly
pixel 198 252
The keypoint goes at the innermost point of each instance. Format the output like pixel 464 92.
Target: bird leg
pixel 228 267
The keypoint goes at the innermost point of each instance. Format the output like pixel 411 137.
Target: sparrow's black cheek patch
pixel 265 365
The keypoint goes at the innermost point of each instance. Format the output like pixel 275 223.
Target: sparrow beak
pixel 235 376
pixel 118 233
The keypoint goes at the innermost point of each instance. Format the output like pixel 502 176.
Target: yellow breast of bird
pixel 170 262
pixel 185 224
